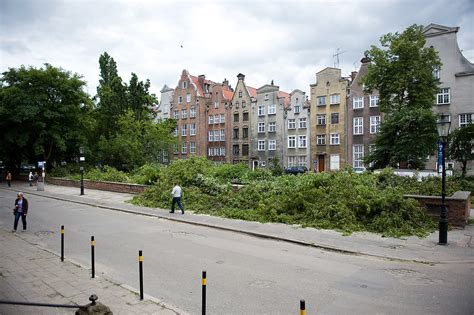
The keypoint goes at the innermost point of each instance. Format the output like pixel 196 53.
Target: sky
pixel 281 40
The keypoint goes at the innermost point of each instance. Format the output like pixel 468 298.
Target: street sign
pixel 440 157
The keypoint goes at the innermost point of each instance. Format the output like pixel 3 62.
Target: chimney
pixel 353 75
pixel 272 82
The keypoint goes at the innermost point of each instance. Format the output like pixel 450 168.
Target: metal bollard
pixel 62 242
pixel 302 307
pixel 204 283
pixel 140 266
pixel 92 256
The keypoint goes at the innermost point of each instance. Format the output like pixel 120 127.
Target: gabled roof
pixel 437 29
pixel 198 86
pixel 286 98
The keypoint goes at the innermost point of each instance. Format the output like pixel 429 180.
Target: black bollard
pixel 204 280
pixel 62 242
pixel 302 307
pixel 140 266
pixel 92 256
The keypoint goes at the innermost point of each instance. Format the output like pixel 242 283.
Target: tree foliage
pixel 402 73
pixel 43 112
pixel 461 146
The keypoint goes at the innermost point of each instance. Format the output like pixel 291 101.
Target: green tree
pixel 402 73
pixel 43 112
pixel 461 147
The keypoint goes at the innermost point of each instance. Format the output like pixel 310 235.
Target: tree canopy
pixel 461 146
pixel 402 73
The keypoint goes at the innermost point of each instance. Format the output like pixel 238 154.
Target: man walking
pixel 9 179
pixel 176 193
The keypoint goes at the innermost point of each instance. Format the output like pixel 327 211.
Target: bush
pixel 147 174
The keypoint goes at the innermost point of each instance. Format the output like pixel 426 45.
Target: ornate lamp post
pixel 82 159
pixel 443 124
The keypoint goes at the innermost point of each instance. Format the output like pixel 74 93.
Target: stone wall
pixel 458 205
pixel 90 184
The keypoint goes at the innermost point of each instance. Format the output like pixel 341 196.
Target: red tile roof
pixel 252 91
pixel 286 98
pixel 228 94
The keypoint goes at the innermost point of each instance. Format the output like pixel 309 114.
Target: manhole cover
pixel 44 233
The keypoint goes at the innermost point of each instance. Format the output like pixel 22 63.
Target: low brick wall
pixel 90 184
pixel 458 205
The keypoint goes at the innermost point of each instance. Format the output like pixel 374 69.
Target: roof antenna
pixel 336 57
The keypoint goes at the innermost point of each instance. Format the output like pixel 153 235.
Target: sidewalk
pixel 411 249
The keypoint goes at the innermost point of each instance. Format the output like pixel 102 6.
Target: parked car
pixel 295 170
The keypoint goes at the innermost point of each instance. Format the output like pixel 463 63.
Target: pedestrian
pixel 176 193
pixel 20 210
pixel 35 178
pixel 9 179
pixel 30 178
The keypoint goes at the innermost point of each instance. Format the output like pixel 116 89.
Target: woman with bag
pixel 20 210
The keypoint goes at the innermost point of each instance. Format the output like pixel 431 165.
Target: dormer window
pixel 185 84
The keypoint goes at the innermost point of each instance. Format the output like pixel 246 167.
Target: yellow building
pixel 328 120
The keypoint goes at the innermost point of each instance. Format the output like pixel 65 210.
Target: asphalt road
pixel 245 275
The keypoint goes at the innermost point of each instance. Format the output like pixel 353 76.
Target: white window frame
pixel 261 145
pixel 302 123
pixel 297 108
pixel 358 102
pixel 176 114
pixel 185 84
pixel 192 129
pixel 302 160
pixel 272 145
pixel 211 119
pixel 320 119
pixel 321 100
pixel 180 99
pixel 358 125
pixel 335 99
pixel 302 142
pixel 358 155
pixel 374 124
pixel 184 148
pixel 216 119
pixel 335 139
pixel 334 162
pixel 444 96
pixel 222 118
pixel 321 139
pixel 192 112
pixel 192 147
pixel 184 114
pixel 291 124
pixel 188 97
pixel 240 94
pixel 291 142
pixel 272 126
pixel 465 119
pixel 374 101
pixel 261 127
pixel 271 109
pixel 436 73
pixel 184 130
pixel 210 136
pixel 222 132
pixel 261 110
pixel 291 161
pixel 216 104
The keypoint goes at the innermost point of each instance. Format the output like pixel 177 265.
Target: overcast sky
pixel 285 41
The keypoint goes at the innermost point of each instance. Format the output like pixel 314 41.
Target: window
pixel 320 119
pixel 334 162
pixel 210 151
pixel 184 114
pixel 180 99
pixel 211 135
pixel 374 124
pixel 236 117
pixel 222 135
pixel 335 99
pixel 321 139
pixel 358 156
pixel 211 119
pixel 236 133
pixel 192 147
pixel 261 145
pixel 245 116
pixel 236 104
pixel 291 123
pixel 192 129
pixel 443 96
pixel 271 109
pixel 176 131
pixel 358 102
pixel 185 84
pixel 292 161
pixel 261 127
pixel 302 160
pixel 176 114
pixel 243 104
pixel 374 101
pixel 321 100
pixel 436 73
pixel 216 104
pixel 183 130
pixel 192 112
pixel 245 133
pixel 334 139
pixel 235 149
pixel 266 97
pixel 240 94
pixel 302 123
pixel 175 148
pixel 261 110
pixel 245 149
pixel 216 119
pixel 334 118
pixel 222 151
pixel 222 118
pixel 291 141
pixel 184 148
pixel 302 143
pixel 188 97
pixel 272 126
pixel 465 119
pixel 358 128
pixel 272 144
pixel 297 108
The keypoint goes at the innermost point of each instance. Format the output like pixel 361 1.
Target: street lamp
pixel 82 159
pixel 443 124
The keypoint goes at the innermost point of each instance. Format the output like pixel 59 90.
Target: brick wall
pixel 458 205
pixel 90 184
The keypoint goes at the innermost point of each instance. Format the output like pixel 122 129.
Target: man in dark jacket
pixel 21 209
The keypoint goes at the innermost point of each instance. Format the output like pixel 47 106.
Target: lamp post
pixel 443 124
pixel 82 159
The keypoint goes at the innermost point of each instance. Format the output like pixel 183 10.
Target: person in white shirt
pixel 30 178
pixel 176 193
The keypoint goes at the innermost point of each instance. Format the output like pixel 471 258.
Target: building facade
pixel 363 119
pixel 163 109
pixel 297 131
pixel 240 108
pixel 328 116
pixel 219 124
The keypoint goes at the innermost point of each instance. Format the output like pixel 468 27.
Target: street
pixel 245 275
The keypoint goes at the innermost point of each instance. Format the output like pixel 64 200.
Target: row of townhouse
pixel 335 127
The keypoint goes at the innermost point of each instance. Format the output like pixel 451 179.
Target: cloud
pixel 284 41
